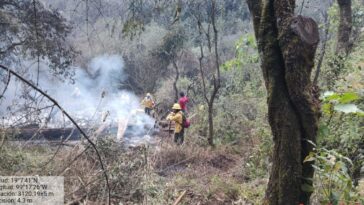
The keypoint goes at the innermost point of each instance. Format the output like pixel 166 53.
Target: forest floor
pixel 153 174
pixel 208 175
pixel 147 174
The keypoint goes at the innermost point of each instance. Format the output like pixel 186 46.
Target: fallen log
pixel 124 130
pixel 42 133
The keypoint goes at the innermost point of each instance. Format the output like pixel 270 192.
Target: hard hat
pixel 176 106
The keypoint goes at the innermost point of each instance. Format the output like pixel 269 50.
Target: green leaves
pixel 307 188
pixel 348 97
pixel 323 130
pixel 334 198
pixel 245 53
pixel 341 103
pixel 231 64
pixel 348 108
pixel 250 40
pixel 310 157
pixel 344 98
pixel 332 180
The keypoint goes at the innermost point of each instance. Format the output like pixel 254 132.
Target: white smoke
pixel 94 97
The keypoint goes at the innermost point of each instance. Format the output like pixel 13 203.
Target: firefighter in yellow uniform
pixel 148 103
pixel 177 116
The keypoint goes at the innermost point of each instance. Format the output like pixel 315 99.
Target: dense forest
pixel 202 102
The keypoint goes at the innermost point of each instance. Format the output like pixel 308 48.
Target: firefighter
pixel 183 100
pixel 148 103
pixel 177 116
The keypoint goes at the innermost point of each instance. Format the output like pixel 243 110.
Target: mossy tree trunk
pixel 287 46
pixel 345 27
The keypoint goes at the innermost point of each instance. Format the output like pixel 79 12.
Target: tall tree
pixel 210 92
pixel 287 46
pixel 345 27
pixel 29 30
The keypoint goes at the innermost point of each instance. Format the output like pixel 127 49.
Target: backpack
pixel 185 121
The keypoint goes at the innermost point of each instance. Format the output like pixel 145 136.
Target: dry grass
pixel 145 175
pixel 210 175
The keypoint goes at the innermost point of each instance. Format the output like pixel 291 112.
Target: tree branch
pixel 6 85
pixel 203 74
pixel 11 47
pixel 302 5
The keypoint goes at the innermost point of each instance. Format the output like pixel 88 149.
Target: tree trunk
pixel 175 80
pixel 345 27
pixel 216 77
pixel 287 46
pixel 211 125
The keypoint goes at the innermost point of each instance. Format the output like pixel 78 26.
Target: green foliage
pixel 172 43
pixel 334 17
pixel 254 191
pixel 132 27
pixel 44 39
pixel 126 169
pixel 336 67
pixel 341 103
pixel 240 106
pixel 342 130
pixel 257 165
pixel 332 180
pixel 245 53
pixel 10 161
pixel 16 160
pixel 341 127
pixel 339 136
pixel 220 185
pixel 343 122
pixel 357 16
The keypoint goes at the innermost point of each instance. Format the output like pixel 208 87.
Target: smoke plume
pixel 94 98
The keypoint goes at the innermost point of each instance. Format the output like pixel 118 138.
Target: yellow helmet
pixel 176 106
pixel 148 94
